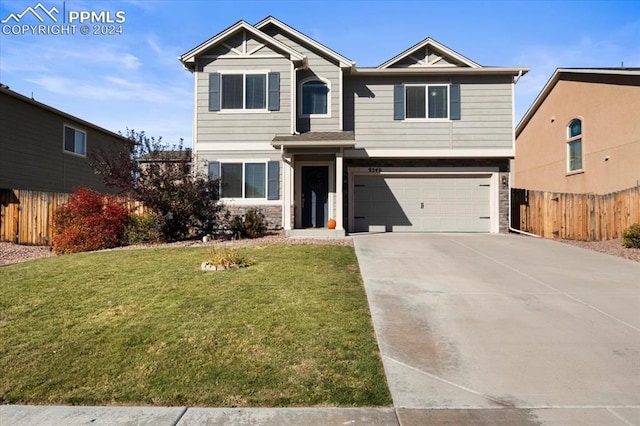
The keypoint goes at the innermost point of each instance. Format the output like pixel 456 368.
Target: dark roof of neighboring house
pixel 169 156
pixel 561 73
pixel 5 90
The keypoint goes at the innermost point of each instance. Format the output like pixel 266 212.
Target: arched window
pixel 574 145
pixel 315 96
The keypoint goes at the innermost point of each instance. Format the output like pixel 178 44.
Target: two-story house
pixel 582 133
pixel 45 149
pixel 420 143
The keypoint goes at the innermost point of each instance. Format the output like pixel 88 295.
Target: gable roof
pixel 558 75
pixel 188 58
pixel 5 90
pixel 429 42
pixel 342 60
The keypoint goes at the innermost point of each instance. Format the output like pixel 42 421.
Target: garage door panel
pixel 422 203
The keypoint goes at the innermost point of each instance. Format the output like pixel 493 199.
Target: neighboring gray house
pixel 44 149
pixel 419 143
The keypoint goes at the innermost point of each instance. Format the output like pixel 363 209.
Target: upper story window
pixel 574 145
pixel 75 141
pixel 244 91
pixel 426 101
pixel 315 98
pixel 251 91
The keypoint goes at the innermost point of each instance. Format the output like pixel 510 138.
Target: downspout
pixel 511 229
pixel 294 96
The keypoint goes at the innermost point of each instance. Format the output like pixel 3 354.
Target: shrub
pixel 141 229
pixel 89 221
pixel 227 257
pixel 251 225
pixel 631 236
pixel 164 179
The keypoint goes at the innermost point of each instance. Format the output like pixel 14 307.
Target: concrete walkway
pixel 504 329
pixel 473 329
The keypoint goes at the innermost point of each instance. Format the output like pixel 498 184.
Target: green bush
pixel 631 236
pixel 251 225
pixel 141 229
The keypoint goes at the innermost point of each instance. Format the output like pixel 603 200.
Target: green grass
pixel 148 327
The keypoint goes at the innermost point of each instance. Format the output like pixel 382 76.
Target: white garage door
pixel 422 204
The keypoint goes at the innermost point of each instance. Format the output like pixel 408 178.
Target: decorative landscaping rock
pixel 206 266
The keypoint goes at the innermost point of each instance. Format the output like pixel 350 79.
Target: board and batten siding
pixel 238 130
pixel 317 66
pixel 486 115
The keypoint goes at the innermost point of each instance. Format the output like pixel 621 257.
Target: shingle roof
pixel 317 136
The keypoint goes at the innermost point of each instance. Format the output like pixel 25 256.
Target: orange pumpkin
pixel 331 224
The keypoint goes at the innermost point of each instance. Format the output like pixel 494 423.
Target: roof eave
pixel 63 114
pixel 188 58
pixel 425 42
pixel 443 71
pixel 342 60
pixel 555 77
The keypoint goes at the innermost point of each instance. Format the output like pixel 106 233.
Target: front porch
pixel 313 186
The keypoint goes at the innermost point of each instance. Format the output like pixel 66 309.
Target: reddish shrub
pixel 89 221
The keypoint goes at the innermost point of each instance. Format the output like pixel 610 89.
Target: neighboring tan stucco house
pixel 582 133
pixel 45 149
pixel 420 143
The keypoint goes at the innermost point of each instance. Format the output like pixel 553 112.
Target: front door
pixel 315 195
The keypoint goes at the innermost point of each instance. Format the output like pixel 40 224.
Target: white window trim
pixel 300 100
pixel 570 140
pixel 244 109
pixel 64 135
pixel 426 100
pixel 243 198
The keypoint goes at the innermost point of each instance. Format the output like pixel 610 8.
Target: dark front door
pixel 315 193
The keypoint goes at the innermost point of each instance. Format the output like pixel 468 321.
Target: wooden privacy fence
pixel 587 217
pixel 26 217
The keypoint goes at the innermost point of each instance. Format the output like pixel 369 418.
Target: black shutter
pixel 214 91
pixel 274 91
pixel 398 102
pixel 454 94
pixel 214 174
pixel 273 180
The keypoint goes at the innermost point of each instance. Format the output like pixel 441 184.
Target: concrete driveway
pixel 504 329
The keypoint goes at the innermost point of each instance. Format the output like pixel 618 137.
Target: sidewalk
pixel 29 415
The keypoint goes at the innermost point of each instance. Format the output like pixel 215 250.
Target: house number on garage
pixel 375 169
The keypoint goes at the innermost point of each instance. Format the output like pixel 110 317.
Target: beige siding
pixel 227 128
pixel 486 115
pixel 610 138
pixel 31 150
pixel 320 67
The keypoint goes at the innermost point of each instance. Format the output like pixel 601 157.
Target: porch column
pixel 339 196
pixel 287 191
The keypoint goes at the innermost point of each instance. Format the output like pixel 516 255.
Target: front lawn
pixel 148 327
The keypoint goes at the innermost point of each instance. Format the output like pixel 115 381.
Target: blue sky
pixel 135 80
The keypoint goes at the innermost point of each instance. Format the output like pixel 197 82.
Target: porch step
pixel 318 233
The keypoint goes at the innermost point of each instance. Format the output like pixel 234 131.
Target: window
pixel 574 145
pixel 244 91
pixel 258 180
pixel 315 95
pixel 249 91
pixel 75 141
pixel 423 101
